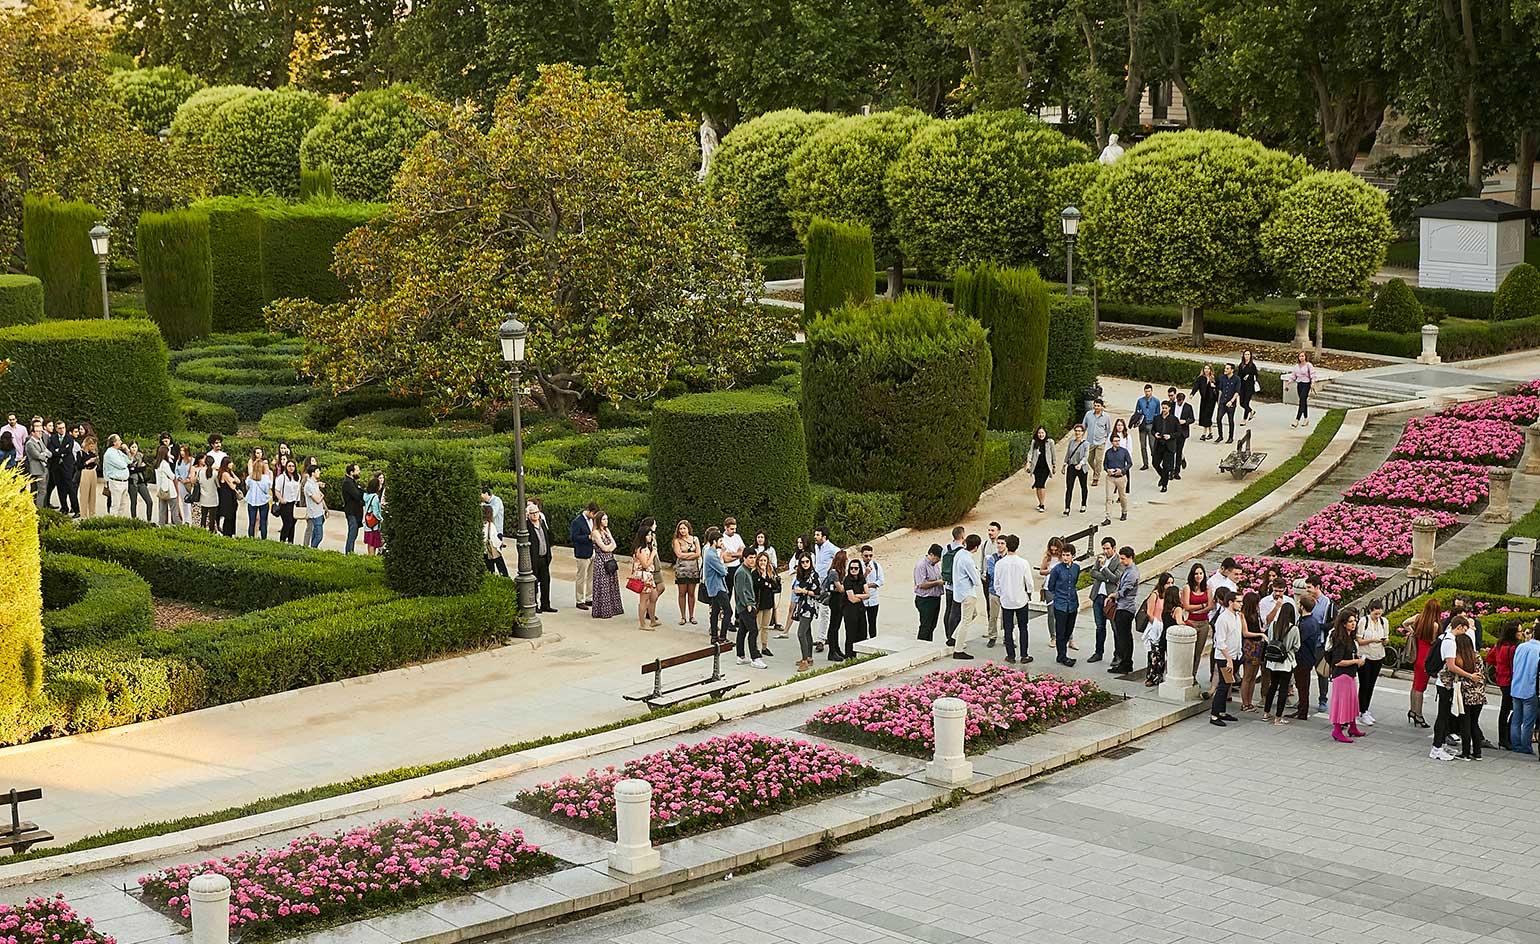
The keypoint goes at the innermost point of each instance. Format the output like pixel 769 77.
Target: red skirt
pixel 1419 674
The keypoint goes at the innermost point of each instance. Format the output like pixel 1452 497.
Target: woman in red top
pixel 1424 631
pixel 1501 659
pixel 1195 600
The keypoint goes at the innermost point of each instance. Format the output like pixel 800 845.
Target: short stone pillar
pixel 1521 567
pixel 1302 328
pixel 949 765
pixel 208 898
pixel 1180 685
pixel 1429 353
pixel 1532 448
pixel 1424 536
pixel 633 853
pixel 1499 480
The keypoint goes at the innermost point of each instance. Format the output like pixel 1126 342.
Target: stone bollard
pixel 1180 685
pixel 1302 329
pixel 949 765
pixel 633 853
pixel 1429 353
pixel 208 897
pixel 1521 564
pixel 1499 482
pixel 1424 536
pixel 1532 448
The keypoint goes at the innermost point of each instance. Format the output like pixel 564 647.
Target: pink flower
pixel 1486 441
pixel 47 921
pixel 1457 486
pixel 1379 533
pixel 1523 409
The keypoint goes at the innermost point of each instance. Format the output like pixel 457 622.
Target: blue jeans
pixel 1521 727
pixel 1100 615
pixel 354 524
pixel 256 520
pixel 1018 619
pixel 317 529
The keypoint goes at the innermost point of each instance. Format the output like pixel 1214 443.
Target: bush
pixel 1458 302
pixel 190 124
pixel 856 517
pixel 1067 187
pixel 766 489
pixel 112 373
pixel 317 183
pixel 208 417
pixel 564 500
pixel 21 299
pixel 750 169
pixel 152 96
pixel 841 267
pixel 102 687
pixel 429 482
pixel 235 250
pixel 1072 339
pixel 364 141
pixel 1012 304
pixel 178 274
pixel 297 244
pixel 1518 296
pixel 782 267
pixel 1328 235
pixel 254 140
pixel 21 599
pixel 1395 309
pixel 1175 371
pixel 88 601
pixel 249 402
pixel 917 424
pixel 1058 415
pixel 58 242
pixel 238 368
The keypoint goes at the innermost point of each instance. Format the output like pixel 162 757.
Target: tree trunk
pixel 1524 168
pixel 896 278
pixel 556 394
pixel 1461 23
pixel 1320 327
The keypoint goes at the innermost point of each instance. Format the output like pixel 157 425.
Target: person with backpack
pixel 1373 630
pixel 1442 660
pixel 948 559
pixel 1278 656
pixel 1311 648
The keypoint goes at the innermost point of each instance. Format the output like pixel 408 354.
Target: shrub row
pixel 21 631
pixel 112 373
pixel 1180 371
pixel 208 417
pixel 243 368
pixel 21 299
pixel 56 234
pixel 841 266
pixel 178 273
pixel 248 402
pixel 87 601
pixel 848 517
pixel 1072 339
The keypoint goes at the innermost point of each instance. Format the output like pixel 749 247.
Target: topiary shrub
pixel 21 598
pixel 297 243
pixel 429 482
pixel 764 482
pixel 21 299
pixel 895 397
pixel 254 140
pixel 152 96
pixel 1012 304
pixel 1072 339
pixel 853 517
pixel 88 601
pixel 112 373
pixel 1328 235
pixel 1517 297
pixel 1395 309
pixel 57 237
pixel 207 417
pixel 1067 187
pixel 235 250
pixel 317 183
pixel 363 142
pixel 190 124
pixel 841 266
pixel 178 274
pixel 750 169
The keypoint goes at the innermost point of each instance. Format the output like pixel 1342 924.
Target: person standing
pixel 314 495
pixel 374 512
pixel 1373 630
pixel 259 496
pixel 1105 571
pixel 966 584
pixel 1165 431
pixel 871 573
pixel 1303 378
pixel 1312 646
pixel 1146 411
pixel 1183 414
pixel 823 559
pixel 115 468
pixel 1279 655
pixel 745 601
pixel 35 450
pixel 1229 395
pixel 1098 429
pixel 1118 464
pixel 687 570
pixel 1253 644
pixel 1041 461
pixel 607 602
pixel 1344 660
pixel 839 609
pixel 1502 673
pixel 140 475
pixel 644 575
pixel 168 508
pixel 805 591
pixel 732 549
pixel 1197 600
pixel 1420 641
pixel 1013 583
pixel 767 584
pixel 714 578
pixel 352 505
pixel 1077 460
pixel 217 450
pixel 1064 597
pixel 489 497
pixel 1170 614
pixel 1207 392
pixel 207 477
pixel 492 544
pixel 89 487
pixel 1125 610
pixel 1227 654
pixel 540 549
pixel 1250 384
pixel 18 433
pixel 182 472
pixel 580 533
pixel 62 472
pixel 286 499
pixel 1526 693
pixel 994 547
pixel 928 588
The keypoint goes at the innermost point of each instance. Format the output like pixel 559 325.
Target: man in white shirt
pixel 217 450
pixel 873 572
pixel 1268 605
pixel 732 548
pixel 1448 649
pixel 1228 573
pixel 992 553
pixel 966 586
pixel 1013 583
pixel 823 558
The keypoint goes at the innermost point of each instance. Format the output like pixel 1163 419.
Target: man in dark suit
pixel 540 552
pixel 1185 417
pixel 1166 429
pixel 61 469
pixel 581 534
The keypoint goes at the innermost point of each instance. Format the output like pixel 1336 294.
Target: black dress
pixel 837 604
pixel 855 616
pixel 226 508
pixel 1041 471
pixel 1247 373
pixel 1208 396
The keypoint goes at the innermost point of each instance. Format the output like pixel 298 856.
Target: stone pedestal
pixel 1180 684
pixel 1185 329
pixel 949 765
pixel 1302 328
pixel 1429 353
pixel 1499 480
pixel 1521 563
pixel 1532 449
pixel 633 853
pixel 1424 536
pixel 208 898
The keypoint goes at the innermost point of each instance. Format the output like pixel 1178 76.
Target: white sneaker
pixel 1438 754
pixel 1367 718
pixel 743 661
pixel 759 664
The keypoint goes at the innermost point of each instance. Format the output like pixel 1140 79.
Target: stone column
pixel 1302 329
pixel 1521 562
pixel 1532 448
pixel 1429 345
pixel 633 852
pixel 1424 536
pixel 949 766
pixel 208 897
pixel 1180 685
pixel 1499 480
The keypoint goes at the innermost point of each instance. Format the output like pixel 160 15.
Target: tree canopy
pixel 1328 235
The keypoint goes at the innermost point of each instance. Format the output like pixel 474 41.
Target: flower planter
pixel 1379 534
pixel 1416 483
pixel 1482 441
pixel 47 921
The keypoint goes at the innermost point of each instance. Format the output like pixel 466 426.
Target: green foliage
pixel 235 247
pixel 21 631
pixel 255 140
pixel 841 266
pixel 297 246
pixel 563 501
pixel 750 169
pixel 57 237
pixel 780 267
pixel 1056 416
pixel 1460 303
pixel 152 96
pixel 1012 304
pixel 1519 295
pixel 1328 235
pixel 1174 371
pixel 248 401
pixel 1429 177
pixel 112 373
pixel 21 299
pixel 1067 187
pixel 431 482
pixel 178 273
pixel 1395 309
pixel 1072 339
pixel 853 517
pixel 364 140
pixel 917 426
pixel 205 416
pixel 193 118
pixel 317 183
pixel 975 189
pixel 235 367
pixel 88 601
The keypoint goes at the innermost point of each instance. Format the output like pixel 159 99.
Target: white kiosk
pixel 1470 243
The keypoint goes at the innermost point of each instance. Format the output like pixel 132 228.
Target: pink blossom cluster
pixel 1001 701
pixel 47 921
pixel 1530 389
pixel 1338 580
pixel 1345 531
pixel 713 782
pixel 1490 442
pixel 317 877
pixel 1521 408
pixel 1456 486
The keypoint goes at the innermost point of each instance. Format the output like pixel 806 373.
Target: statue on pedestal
pixel 1111 152
pixel 708 144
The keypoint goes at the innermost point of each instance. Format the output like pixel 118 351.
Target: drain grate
pixel 814 857
pixel 1118 753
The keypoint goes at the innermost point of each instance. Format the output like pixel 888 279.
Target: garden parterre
pixel 1340 581
pixel 1453 486
pixel 47 921
pixel 1380 534
pixel 1484 441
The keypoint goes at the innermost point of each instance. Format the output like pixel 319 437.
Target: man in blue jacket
pixel 714 575
pixel 1526 668
pixel 1146 409
pixel 1065 599
pixel 581 533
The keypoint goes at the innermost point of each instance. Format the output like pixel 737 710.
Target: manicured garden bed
pixel 47 921
pixel 1340 581
pixel 1452 486
pixel 1523 408
pixel 1484 441
pixel 1380 534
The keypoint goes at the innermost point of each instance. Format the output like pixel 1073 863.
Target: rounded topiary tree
pixel 363 141
pixel 895 397
pixel 841 267
pixel 152 96
pixel 1067 187
pixel 750 168
pixel 1518 296
pixel 112 373
pixel 190 123
pixel 761 479
pixel 1396 309
pixel 432 522
pixel 178 273
pixel 1012 304
pixel 21 299
pixel 21 594
pixel 254 140
pixel 975 189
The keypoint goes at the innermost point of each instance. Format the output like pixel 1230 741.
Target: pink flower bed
pixel 47 921
pixel 1489 442
pixel 1338 580
pixel 1345 531
pixel 1456 486
pixel 696 787
pixel 319 878
pixel 1521 408
pixel 1002 704
pixel 1530 389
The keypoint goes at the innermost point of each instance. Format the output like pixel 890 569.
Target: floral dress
pixel 606 602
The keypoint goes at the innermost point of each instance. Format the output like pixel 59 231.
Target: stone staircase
pixel 1350 392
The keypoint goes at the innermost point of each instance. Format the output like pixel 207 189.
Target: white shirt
pixel 1227 635
pixel 1220 580
pixel 1013 581
pixel 873 581
pixel 1267 604
pixel 259 491
pixel 287 490
pixel 219 457
pixel 1446 650
pixel 766 549
pixel 733 542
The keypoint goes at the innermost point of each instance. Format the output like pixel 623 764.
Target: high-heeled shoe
pixel 1415 720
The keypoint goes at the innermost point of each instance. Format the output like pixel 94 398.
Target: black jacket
pixel 1166 426
pixel 1185 416
pixel 352 497
pixel 538 534
pixel 62 462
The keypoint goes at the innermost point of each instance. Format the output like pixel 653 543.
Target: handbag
pixel 611 566
pixel 1110 607
pixel 636 584
pixel 687 569
pixel 371 519
pixel 702 595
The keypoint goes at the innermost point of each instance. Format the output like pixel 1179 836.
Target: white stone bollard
pixel 633 853
pixel 1424 536
pixel 1302 328
pixel 949 765
pixel 1532 448
pixel 1429 345
pixel 1499 482
pixel 1180 685
pixel 208 897
pixel 1521 562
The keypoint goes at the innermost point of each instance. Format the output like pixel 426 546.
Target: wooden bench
pixel 22 835
pixel 1242 462
pixel 714 685
pixel 1085 543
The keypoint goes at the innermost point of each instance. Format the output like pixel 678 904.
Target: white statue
pixel 1111 152
pixel 708 144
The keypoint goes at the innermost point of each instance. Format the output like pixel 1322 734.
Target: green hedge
pixel 1057 417
pixel 841 267
pixel 94 688
pixel 316 183
pixel 247 368
pixel 190 123
pixel 1458 302
pixel 1012 304
pixel 178 274
pixel 56 234
pixel 363 142
pixel 297 243
pixel 152 96
pixel 21 299
pixel 854 517
pixel 112 373
pixel 776 268
pixel 1395 309
pixel 430 482
pixel 1519 295
pixel 563 501
pixel 88 601
pixel 1072 339
pixel 254 140
pixel 235 249
pixel 895 397
pixel 208 417
pixel 1180 371
pixel 248 402
pixel 762 480
pixel 1484 572
pixel 1459 339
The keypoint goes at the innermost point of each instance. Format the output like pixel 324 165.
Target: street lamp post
pixel 1070 220
pixel 100 237
pixel 512 335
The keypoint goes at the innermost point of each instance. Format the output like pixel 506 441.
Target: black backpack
pixel 1434 663
pixel 1274 650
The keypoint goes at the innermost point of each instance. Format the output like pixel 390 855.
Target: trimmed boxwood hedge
pixel 1180 371
pixel 1519 295
pixel 1072 339
pixel 21 299
pixel 208 417
pixel 1012 304
pixel 248 402
pixel 88 601
pixel 297 243
pixel 56 234
pixel 112 373
pixel 21 631
pixel 178 274
pixel 852 517
pixel 1460 303
pixel 895 397
pixel 762 479
pixel 430 482
pixel 841 266
pixel 245 368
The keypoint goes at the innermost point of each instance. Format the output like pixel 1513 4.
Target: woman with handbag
pixel 258 498
pixel 1171 614
pixel 687 570
pixel 1343 661
pixel 287 499
pixel 374 510
pixel 491 544
pixel 644 575
pixel 90 480
pixel 607 602
pixel 1251 384
pixel 767 583
pixel 1041 461
pixel 805 591
pixel 167 506
pixel 184 469
pixel 1467 676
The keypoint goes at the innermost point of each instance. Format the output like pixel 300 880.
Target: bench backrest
pixel 658 665
pixel 1244 446
pixel 1088 548
pixel 17 797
